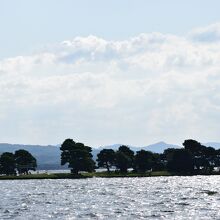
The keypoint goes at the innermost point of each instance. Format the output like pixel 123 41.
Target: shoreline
pixel 101 175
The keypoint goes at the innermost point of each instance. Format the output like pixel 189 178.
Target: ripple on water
pixel 116 198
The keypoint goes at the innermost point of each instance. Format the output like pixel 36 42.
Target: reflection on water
pixel 195 197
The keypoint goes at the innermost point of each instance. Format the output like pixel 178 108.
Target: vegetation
pixel 180 161
pixel 7 164
pixel 143 161
pixel 203 157
pixel 77 155
pixel 22 161
pixel 124 159
pixel 106 159
pixel 44 176
pixel 194 158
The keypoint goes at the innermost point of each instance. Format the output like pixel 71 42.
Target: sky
pixel 107 72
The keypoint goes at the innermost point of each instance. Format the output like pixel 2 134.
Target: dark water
pixel 117 198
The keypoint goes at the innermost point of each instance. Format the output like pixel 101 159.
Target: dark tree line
pixel 20 162
pixel 192 158
pixel 124 158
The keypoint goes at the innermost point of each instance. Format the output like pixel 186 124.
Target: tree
pixel 193 146
pixel 77 155
pixel 124 158
pixel 143 161
pixel 168 153
pixel 7 164
pixel 25 161
pixel 203 157
pixel 217 158
pixel 157 162
pixel 208 158
pixel 180 160
pixel 106 158
pixel 126 150
pixel 209 152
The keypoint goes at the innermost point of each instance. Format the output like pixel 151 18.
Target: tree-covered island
pixel 192 159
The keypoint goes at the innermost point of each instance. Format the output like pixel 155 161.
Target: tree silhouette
pixel 179 160
pixel 7 164
pixel 143 161
pixel 106 158
pixel 193 146
pixel 157 162
pixel 25 161
pixel 77 155
pixel 203 157
pixel 124 158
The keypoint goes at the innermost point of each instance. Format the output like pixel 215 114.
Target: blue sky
pixel 29 25
pixel 106 72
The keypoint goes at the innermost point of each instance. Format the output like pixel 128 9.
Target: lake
pixel 196 197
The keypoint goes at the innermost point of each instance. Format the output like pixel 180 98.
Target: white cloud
pixel 148 88
pixel 207 34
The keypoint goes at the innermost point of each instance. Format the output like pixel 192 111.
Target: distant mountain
pixel 156 148
pixel 116 146
pixel 160 147
pixel 48 157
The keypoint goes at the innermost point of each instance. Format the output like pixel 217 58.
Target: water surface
pixel 195 197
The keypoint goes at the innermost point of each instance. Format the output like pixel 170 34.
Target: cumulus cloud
pixel 147 88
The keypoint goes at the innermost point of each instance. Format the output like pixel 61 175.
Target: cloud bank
pixel 144 89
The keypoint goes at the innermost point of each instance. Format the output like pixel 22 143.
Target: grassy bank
pixel 95 174
pixel 44 176
pixel 98 175
pixel 129 174
pixel 84 175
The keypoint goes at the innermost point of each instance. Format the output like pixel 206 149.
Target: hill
pixel 48 157
pixel 159 147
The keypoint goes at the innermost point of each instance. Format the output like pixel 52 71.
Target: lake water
pixel 195 197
